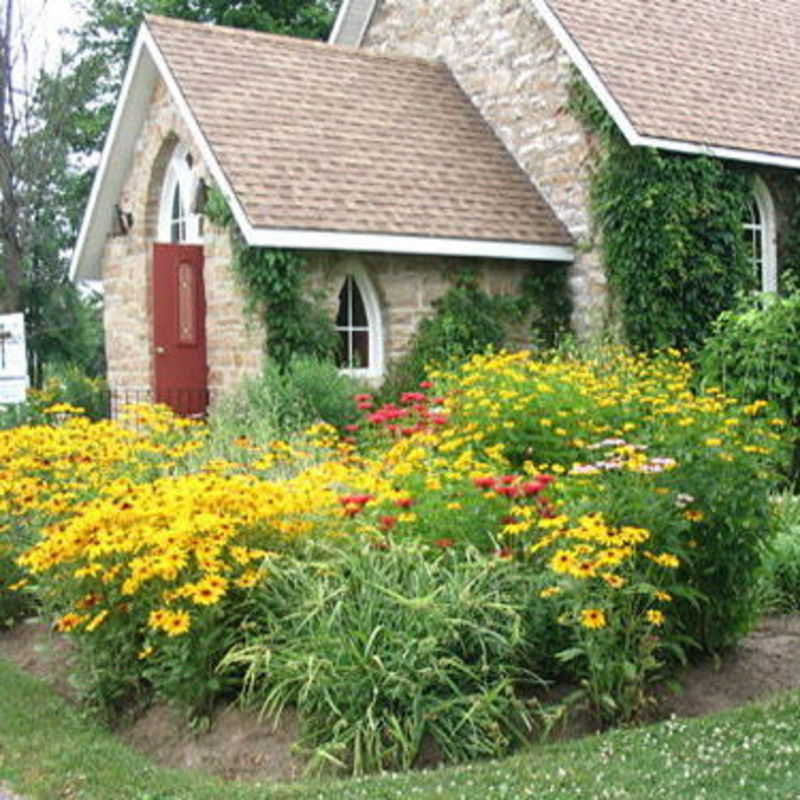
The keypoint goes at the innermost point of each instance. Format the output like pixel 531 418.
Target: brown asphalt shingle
pixel 724 73
pixel 313 136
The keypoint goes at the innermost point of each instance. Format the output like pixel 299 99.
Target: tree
pixel 37 182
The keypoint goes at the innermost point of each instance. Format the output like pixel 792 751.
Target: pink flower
pixel 425 384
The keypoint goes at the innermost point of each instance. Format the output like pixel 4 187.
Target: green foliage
pixel 546 296
pixel 281 402
pixel 753 354
pixel 780 583
pixel 386 654
pixel 275 292
pixel 671 233
pixel 466 320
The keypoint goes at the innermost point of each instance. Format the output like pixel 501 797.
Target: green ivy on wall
pixel 671 233
pixel 275 291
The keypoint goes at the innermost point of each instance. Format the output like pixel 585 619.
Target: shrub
pixel 466 320
pixel 753 354
pixel 387 653
pixel 279 403
pixel 780 585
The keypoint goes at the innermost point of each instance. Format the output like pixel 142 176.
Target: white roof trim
pixel 124 126
pixel 146 64
pixel 391 243
pixel 620 117
pixel 356 12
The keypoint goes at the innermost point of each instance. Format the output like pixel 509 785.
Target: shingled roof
pixel 330 147
pixel 720 76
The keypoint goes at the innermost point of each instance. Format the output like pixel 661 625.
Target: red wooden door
pixel 179 328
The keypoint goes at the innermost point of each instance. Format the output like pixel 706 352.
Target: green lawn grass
pixel 49 750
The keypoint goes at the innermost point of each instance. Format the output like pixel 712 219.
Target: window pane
pixel 360 349
pixel 342 316
pixel 359 312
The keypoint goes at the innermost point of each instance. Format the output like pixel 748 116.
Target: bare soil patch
pixel 237 745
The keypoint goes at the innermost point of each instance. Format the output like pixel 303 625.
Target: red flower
pixel 355 499
pixel 363 398
pixel 413 397
pixel 507 491
pixel 404 502
pixel 439 419
pixel 507 478
pixel 444 543
pixel 365 406
pixel 409 431
pixel 425 384
pixel 351 428
pixel 484 483
pixel 533 487
pixel 387 522
pixel 509 519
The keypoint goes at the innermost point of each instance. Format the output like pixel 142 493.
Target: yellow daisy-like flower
pixel 177 624
pixel 614 581
pixel 562 561
pixel 550 591
pixel 145 652
pixel 692 515
pixel 97 620
pixel 593 618
pixel 664 597
pixel 655 617
pixel 69 622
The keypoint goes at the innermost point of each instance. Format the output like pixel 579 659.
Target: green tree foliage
pixel 38 218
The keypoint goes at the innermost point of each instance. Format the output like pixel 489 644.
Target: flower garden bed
pixel 414 581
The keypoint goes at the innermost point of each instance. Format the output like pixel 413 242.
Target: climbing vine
pixel 670 230
pixel 275 291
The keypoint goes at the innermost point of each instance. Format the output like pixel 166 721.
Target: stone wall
pixel 408 285
pixel 515 72
pixel 234 347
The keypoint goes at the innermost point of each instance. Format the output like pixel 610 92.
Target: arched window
pixel 176 222
pixel 759 233
pixel 358 323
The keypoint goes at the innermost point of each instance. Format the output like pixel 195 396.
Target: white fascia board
pixel 114 161
pixel 208 157
pixel 732 153
pixel 624 123
pixel 340 18
pixel 362 16
pixel 389 243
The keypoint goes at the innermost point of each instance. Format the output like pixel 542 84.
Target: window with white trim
pixel 758 226
pixel 358 323
pixel 176 222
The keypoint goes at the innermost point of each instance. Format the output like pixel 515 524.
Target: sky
pixel 41 24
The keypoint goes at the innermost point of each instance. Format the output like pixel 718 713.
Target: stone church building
pixel 425 137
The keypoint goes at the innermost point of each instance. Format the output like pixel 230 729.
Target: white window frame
pixel 372 307
pixel 181 176
pixel 765 229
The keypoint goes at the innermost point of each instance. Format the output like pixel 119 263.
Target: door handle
pixel 161 351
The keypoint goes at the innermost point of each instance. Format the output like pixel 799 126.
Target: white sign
pixel 13 359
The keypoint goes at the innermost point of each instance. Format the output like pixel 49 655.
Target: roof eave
pixel 146 64
pixel 401 243
pixel 114 162
pixel 623 121
pixel 353 18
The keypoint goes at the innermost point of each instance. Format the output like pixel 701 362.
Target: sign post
pixel 13 359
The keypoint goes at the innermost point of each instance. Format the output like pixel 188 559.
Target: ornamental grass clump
pixel 391 656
